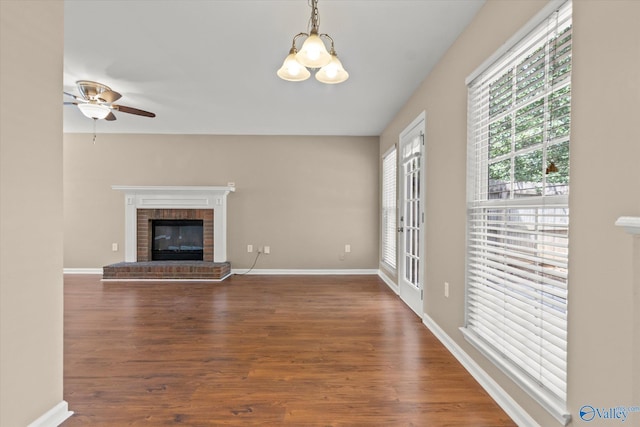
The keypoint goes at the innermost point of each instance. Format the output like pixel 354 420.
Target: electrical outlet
pixel 249 248
pixel 114 247
pixel 347 249
pixel 267 250
pixel 446 289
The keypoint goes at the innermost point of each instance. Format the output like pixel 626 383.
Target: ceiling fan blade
pixel 70 103
pixel 110 117
pixel 132 110
pixel 109 96
pixel 71 95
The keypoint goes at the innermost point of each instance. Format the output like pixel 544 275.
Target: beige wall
pixel 605 174
pixel 605 180
pixel 305 197
pixel 31 300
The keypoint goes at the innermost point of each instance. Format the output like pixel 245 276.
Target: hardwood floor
pixel 259 350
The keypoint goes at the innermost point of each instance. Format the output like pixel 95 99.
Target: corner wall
pixel 31 292
pixel 605 180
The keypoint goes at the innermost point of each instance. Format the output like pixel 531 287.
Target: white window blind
pixel 389 165
pixel 517 210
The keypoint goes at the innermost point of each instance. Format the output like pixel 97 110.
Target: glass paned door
pixel 411 216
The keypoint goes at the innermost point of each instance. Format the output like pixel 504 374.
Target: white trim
pixel 387 269
pixel 524 31
pixel 269 271
pixel 422 117
pixel 389 150
pixel 502 398
pixel 276 271
pixel 163 189
pixel 175 197
pixel 390 283
pixel 82 270
pixel 54 416
pixel 546 400
pixel 412 297
pixel 631 224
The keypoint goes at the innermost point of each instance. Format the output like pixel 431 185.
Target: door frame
pixel 414 298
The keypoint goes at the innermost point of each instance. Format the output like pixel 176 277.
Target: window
pixel 517 208
pixel 389 209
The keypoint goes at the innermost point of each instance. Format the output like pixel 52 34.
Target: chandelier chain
pixel 314 21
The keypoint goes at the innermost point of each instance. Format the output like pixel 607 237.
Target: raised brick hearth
pixel 167 270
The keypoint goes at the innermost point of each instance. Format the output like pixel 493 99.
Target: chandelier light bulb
pixel 333 72
pixel 313 53
pixel 331 69
pixel 291 69
pixel 294 68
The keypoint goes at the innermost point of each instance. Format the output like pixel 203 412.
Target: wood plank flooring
pixel 259 350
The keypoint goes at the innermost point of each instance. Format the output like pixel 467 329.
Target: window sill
pixel 556 408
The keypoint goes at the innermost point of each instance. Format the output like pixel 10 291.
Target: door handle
pixel 400 229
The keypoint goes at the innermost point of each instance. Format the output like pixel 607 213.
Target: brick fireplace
pixel 143 205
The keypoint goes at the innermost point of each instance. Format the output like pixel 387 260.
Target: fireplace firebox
pixel 177 240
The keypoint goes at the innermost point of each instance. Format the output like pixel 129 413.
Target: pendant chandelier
pixel 313 55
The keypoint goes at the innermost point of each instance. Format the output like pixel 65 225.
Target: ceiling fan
pixel 96 101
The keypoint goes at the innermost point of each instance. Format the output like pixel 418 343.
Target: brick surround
pixel 145 216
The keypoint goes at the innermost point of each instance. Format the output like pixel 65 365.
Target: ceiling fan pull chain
pixel 94 131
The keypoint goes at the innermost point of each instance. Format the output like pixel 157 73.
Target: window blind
pixel 517 209
pixel 389 172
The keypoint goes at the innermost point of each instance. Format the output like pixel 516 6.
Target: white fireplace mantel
pixel 631 224
pixel 175 197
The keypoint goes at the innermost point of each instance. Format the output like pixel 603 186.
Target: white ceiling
pixel 209 66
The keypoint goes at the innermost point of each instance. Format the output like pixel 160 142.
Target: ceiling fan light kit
pixel 313 54
pixel 94 111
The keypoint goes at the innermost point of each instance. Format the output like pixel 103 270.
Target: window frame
pixel 479 197
pixel 389 209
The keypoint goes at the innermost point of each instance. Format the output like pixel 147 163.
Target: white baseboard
pixel 256 271
pixel 390 283
pixel 54 416
pixel 82 270
pixel 318 272
pixel 502 398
